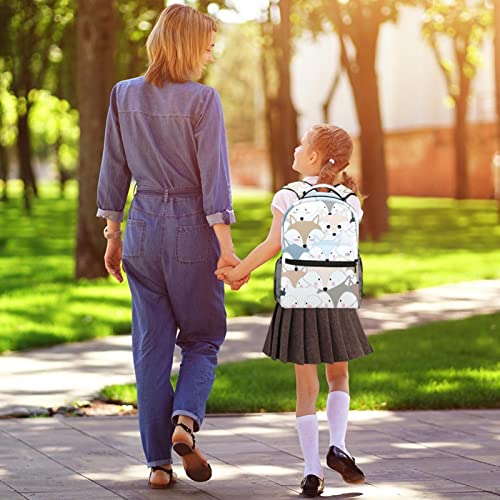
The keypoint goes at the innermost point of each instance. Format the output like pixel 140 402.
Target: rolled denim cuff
pixel 225 217
pixel 165 461
pixel 110 214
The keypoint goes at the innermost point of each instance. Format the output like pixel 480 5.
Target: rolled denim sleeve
pixel 114 176
pixel 211 144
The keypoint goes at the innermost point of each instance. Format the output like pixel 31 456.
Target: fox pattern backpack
pixel 320 266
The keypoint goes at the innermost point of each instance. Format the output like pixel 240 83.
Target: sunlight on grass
pixel 447 364
pixel 432 242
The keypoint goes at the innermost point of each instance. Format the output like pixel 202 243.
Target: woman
pixel 167 132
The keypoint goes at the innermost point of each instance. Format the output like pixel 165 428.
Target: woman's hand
pixel 113 258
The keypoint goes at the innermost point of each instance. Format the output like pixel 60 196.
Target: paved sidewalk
pixel 57 375
pixel 409 455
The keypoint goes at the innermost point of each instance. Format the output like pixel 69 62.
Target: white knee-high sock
pixel 337 412
pixel 307 428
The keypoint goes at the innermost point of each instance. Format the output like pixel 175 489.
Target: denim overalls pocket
pixel 193 243
pixel 133 243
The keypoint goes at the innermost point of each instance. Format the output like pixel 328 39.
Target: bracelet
pixel 110 236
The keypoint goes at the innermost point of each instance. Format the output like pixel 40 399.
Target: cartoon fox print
pixel 324 278
pixel 305 212
pixel 293 276
pixel 305 233
pixel 302 298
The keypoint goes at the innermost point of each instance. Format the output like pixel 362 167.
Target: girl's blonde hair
pixel 334 146
pixel 177 43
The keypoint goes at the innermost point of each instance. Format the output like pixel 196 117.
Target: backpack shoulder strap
pixel 298 187
pixel 344 191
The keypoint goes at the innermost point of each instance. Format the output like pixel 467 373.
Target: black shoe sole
pixel 195 469
pixel 348 475
pixel 311 493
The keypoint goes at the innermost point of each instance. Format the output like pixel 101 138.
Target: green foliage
pixel 53 124
pixel 31 47
pixel 432 242
pixel 442 365
pixel 8 110
pixel 464 24
pixel 357 18
pixel 136 19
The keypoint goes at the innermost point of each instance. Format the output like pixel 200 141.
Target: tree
pixel 496 30
pixel 280 113
pixel 8 120
pixel 357 25
pixel 96 22
pixel 464 24
pixel 135 21
pixel 29 49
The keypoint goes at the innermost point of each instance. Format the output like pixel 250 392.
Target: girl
pixel 307 337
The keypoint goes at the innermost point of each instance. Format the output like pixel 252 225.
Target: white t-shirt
pixel 284 198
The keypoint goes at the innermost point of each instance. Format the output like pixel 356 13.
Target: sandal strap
pixel 170 472
pixel 189 431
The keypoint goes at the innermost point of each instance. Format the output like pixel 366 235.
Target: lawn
pixel 432 242
pixel 442 365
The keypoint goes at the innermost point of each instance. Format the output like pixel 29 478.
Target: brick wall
pixel 419 162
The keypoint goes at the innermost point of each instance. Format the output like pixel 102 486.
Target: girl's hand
pixel 113 258
pixel 228 274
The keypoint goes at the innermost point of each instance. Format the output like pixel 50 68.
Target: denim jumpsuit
pixel 172 141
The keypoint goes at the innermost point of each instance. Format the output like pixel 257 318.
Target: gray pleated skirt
pixel 313 336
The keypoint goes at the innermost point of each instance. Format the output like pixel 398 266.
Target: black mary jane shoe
pixel 162 486
pixel 312 486
pixel 345 465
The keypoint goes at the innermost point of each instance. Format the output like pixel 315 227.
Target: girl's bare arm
pixel 259 255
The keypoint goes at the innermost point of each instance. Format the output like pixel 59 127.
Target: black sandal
pixel 162 486
pixel 195 464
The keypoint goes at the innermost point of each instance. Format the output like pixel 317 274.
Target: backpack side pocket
pixel 277 280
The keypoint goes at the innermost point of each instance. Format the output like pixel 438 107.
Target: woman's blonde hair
pixel 334 146
pixel 177 43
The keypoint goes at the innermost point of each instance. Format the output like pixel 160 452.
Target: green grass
pixel 442 365
pixel 432 242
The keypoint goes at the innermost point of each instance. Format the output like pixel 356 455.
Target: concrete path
pixel 408 455
pixel 61 374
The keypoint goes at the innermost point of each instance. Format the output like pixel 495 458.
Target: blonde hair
pixel 177 43
pixel 334 147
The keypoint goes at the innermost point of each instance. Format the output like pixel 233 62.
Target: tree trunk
pixel 460 131
pixel 496 31
pixel 364 84
pixel 95 28
pixel 460 145
pixel 272 134
pixel 376 216
pixel 331 92
pixel 4 171
pixel 24 155
pixel 281 116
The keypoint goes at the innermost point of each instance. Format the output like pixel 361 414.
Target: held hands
pixel 225 271
pixel 113 258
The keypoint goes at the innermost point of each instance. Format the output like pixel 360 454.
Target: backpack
pixel 320 266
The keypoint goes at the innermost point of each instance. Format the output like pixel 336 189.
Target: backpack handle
pixel 331 189
pixel 319 186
